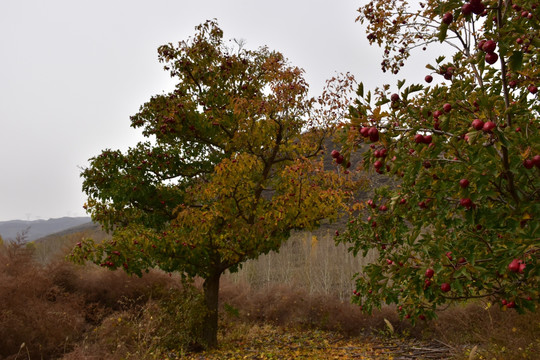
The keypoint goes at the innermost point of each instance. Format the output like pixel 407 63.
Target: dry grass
pixel 500 334
pixel 288 306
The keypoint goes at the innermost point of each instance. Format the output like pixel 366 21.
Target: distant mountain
pixel 39 228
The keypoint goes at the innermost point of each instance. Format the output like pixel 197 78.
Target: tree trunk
pixel 211 298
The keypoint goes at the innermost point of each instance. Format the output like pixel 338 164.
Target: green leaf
pixel 415 88
pixel 360 91
pixel 442 32
pixel 382 102
pixel 516 61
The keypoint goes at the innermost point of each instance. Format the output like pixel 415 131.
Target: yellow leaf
pixel 472 354
pixel 389 325
pixel 525 153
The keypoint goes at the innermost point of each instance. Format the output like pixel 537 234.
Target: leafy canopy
pixel 233 163
pixel 464 219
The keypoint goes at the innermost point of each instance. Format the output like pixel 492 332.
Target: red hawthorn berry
pixel 448 18
pixel 477 124
pixel 489 46
pixel 466 9
pixel 488 126
pixel 528 164
pixel 480 44
pixel 447 107
pixel 437 113
pixel 491 58
pixel 536 160
pixel 477 7
pixel 373 134
pixel 466 202
pixel 514 265
pixel 511 305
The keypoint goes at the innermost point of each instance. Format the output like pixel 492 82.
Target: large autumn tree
pixel 232 164
pixel 463 143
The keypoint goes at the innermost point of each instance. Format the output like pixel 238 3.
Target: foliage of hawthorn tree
pixel 232 165
pixel 463 221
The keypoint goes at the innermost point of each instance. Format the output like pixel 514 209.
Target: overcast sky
pixel 73 71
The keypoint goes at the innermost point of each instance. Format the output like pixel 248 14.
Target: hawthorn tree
pixel 463 219
pixel 232 165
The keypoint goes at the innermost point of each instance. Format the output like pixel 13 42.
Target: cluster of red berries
pixel 487 126
pixel 474 7
pixel 517 266
pixel 489 46
pixel 337 156
pixel 370 132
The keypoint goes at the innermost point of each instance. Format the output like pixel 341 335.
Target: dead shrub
pixel 499 333
pixel 294 307
pixel 35 312
pixel 48 308
pixel 170 324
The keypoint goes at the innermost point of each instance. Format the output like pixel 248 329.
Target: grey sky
pixel 72 72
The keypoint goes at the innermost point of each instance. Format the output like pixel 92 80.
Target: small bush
pixel 35 312
pixel 172 323
pixel 60 309
pixel 293 306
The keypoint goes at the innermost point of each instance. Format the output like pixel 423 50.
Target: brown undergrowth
pixel 63 311
pixel 46 310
